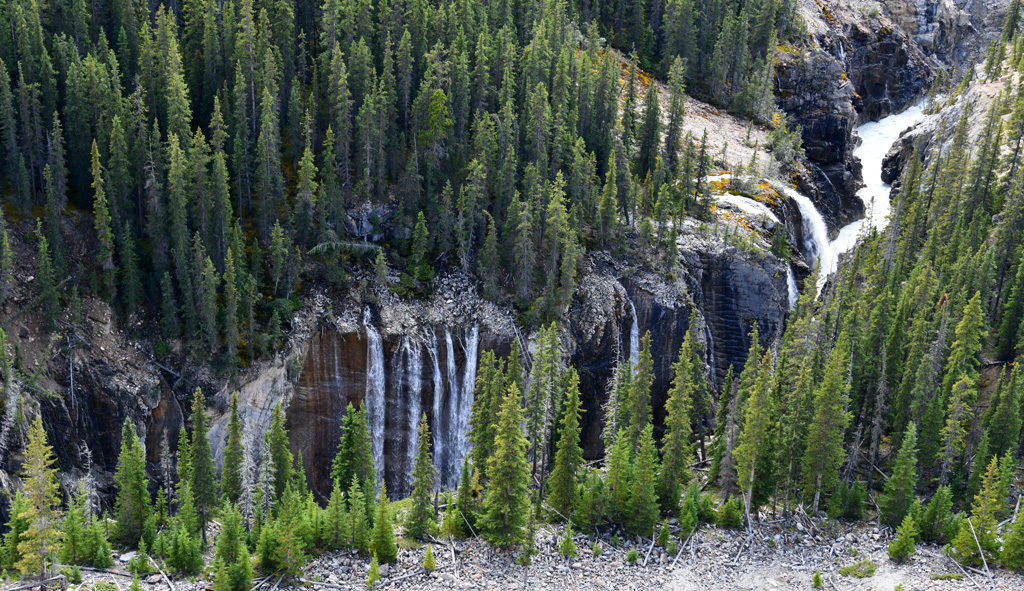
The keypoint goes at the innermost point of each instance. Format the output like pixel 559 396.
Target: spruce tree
pixel 204 474
pixel 676 446
pixel 104 231
pixel 980 528
pixel 902 547
pixel 824 453
pixel 234 455
pixel 755 433
pixel 355 453
pixel 39 543
pixel 506 504
pixel 280 456
pixel 419 261
pixel 563 481
pixel 72 550
pixel 937 517
pixel 1012 555
pixel 420 520
pixel 382 540
pixel 359 521
pixel 642 505
pixel 132 504
pixel 47 280
pixel 899 488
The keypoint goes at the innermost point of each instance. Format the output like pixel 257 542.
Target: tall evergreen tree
pixel 39 541
pixel 676 445
pixel 506 504
pixel 899 488
pixel 234 456
pixel 825 453
pixel 203 472
pixel 564 478
pixel 420 520
pixel 132 505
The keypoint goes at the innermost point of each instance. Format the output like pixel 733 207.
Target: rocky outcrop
pixel 815 93
pixel 888 70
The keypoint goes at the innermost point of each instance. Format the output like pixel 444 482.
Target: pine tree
pixel 936 518
pixel 980 528
pixel 506 504
pixel 755 433
pixel 204 473
pixel 358 518
pixel 564 478
pixel 824 453
pixel 1012 555
pixel 280 456
pixel 104 232
pixel 420 520
pixel 39 543
pixel 132 505
pixel 419 262
pixel 676 447
pixel 72 550
pixel 902 547
pixel 355 452
pixel 899 488
pixel 382 540
pixel 642 504
pixel 47 280
pixel 234 456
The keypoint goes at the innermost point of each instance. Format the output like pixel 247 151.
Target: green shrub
pixel 567 547
pixel 730 514
pixel 860 570
pixel 816 580
pixel 632 556
pixel 595 549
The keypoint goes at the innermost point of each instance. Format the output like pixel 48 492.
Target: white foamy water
pixel 876 139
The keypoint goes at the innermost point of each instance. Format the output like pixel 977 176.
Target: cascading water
pixel 413 384
pixel 437 428
pixel 815 232
pixel 791 285
pixel 464 407
pixel 375 392
pixel 876 139
pixel 634 338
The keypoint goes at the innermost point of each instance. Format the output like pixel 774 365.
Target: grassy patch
pixel 946 576
pixel 860 570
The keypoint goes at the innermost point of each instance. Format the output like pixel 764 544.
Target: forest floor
pixel 780 556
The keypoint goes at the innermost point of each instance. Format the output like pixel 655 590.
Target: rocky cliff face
pixel 428 351
pixel 816 94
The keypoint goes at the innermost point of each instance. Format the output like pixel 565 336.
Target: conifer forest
pixel 554 294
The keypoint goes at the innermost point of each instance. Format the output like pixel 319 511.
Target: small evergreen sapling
pixel 903 546
pixel 428 559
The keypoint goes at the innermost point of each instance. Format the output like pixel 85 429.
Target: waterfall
pixel 453 372
pixel 413 385
pixel 634 338
pixel 374 400
pixel 464 406
pixel 815 232
pixel 791 285
pixel 437 429
pixel 876 139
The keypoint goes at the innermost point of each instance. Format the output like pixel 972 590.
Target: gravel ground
pixel 781 555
